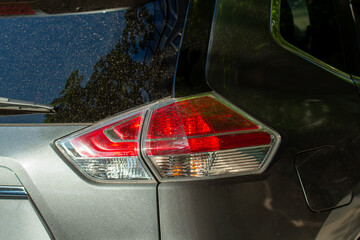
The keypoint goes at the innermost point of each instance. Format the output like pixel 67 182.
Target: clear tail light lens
pixel 197 137
pixel 108 150
pixel 206 136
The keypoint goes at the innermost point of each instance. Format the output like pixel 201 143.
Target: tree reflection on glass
pixel 120 80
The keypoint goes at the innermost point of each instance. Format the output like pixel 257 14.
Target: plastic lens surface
pixel 205 136
pixel 108 151
pixel 197 137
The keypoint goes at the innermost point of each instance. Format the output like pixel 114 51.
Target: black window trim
pixel 275 31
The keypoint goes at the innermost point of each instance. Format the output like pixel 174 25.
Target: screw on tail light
pixel 108 151
pixel 205 136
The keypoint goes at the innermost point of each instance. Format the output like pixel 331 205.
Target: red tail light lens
pixel 206 136
pixel 115 140
pixel 109 150
pixel 194 117
pixel 195 120
pixel 201 136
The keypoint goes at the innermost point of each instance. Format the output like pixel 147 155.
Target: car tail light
pixel 197 137
pixel 108 150
pixel 206 136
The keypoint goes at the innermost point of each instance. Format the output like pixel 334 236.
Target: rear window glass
pixel 39 7
pixel 312 26
pixel 89 66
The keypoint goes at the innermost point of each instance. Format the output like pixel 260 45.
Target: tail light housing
pixel 203 136
pixel 109 150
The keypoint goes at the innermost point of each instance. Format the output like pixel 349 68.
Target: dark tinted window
pixel 91 65
pixel 312 26
pixel 355 4
pixel 30 7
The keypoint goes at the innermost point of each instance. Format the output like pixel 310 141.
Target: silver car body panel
pixel 19 220
pixel 70 204
pixel 8 177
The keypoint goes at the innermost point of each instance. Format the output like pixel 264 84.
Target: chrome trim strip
pixel 275 31
pixel 13 191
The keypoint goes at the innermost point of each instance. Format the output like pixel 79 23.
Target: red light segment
pixel 200 125
pixel 243 140
pixel 216 115
pixel 168 147
pixel 204 144
pixel 129 130
pixel 207 144
pixel 196 117
pixel 166 123
pixel 97 144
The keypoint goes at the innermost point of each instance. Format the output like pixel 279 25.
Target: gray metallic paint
pixel 308 105
pixel 20 221
pixel 8 177
pixel 73 207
